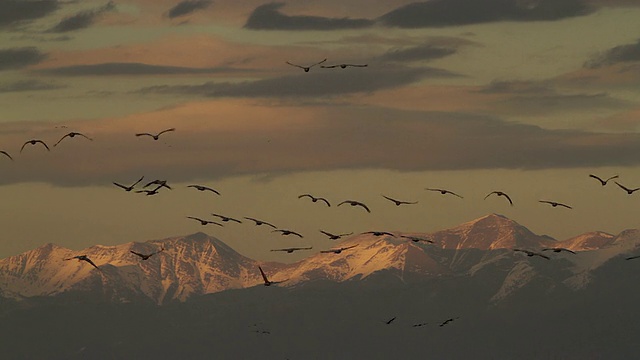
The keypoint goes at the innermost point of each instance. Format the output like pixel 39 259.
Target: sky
pixel 527 97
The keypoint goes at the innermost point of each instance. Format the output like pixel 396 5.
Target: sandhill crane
pixel 204 222
pixel 343 66
pixel 355 203
pixel 447 321
pixel 268 282
pixel 338 250
pixel 390 320
pixel 416 239
pixel 260 222
pixel 203 188
pixel 399 202
pixel 72 135
pixel 156 136
pixel 160 183
pixel 555 204
pixel 128 188
pixel 226 218
pixel 84 258
pixel 628 190
pixel 603 182
pixel 444 192
pixel 558 249
pixel 146 256
pixel 334 236
pixel 292 249
pixel 532 253
pixel 315 199
pixel 287 232
pixel 306 68
pixel 500 193
pixel 33 142
pixel 378 233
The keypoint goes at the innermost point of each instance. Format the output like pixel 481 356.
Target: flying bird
pixel 532 253
pixel 334 236
pixel 203 188
pixel 355 203
pixel 146 256
pixel 33 142
pixel 378 233
pixel 554 204
pixel 6 154
pixel 603 182
pixel 419 325
pixel 156 136
pixel 72 135
pixel 292 249
pixel 268 282
pixel 500 193
pixel 287 232
pixel 444 192
pixel 306 68
pixel 629 191
pixel 343 66
pixel 226 218
pixel 83 258
pixel 416 239
pixel 204 222
pixel 315 199
pixel 338 250
pixel 160 183
pixel 557 250
pixel 633 257
pixel 128 188
pixel 390 320
pixel 399 202
pixel 260 222
pixel 447 321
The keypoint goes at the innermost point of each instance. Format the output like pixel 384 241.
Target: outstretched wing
pixel 91 262
pixel 363 206
pixel 622 186
pixel 508 198
pixel 325 201
pixel 137 253
pixel 6 154
pixel 264 277
pixel 45 145
pixel 318 63
pixel 296 65
pixel 167 130
pixel 136 183
pixel 144 134
pixel 120 185
pixel 62 138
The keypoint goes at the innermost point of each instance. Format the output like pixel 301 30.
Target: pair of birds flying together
pixel 342 66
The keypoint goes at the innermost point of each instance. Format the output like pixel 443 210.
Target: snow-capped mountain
pixel 199 264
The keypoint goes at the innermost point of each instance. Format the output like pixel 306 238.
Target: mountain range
pixel 199 264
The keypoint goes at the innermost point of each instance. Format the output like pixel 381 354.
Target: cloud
pixel 615 55
pixel 246 138
pixel 187 7
pixel 16 58
pixel 28 85
pixel 441 13
pixel 269 17
pixel 14 12
pixel 323 82
pixel 82 19
pixel 106 69
pixel 417 53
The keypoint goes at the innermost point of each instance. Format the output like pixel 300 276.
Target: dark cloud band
pixel 269 17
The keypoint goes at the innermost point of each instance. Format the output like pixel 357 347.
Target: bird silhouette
pixel 378 233
pixel 287 232
pixel 226 218
pixel 558 249
pixel 156 136
pixel 83 258
pixel 6 154
pixel 416 239
pixel 628 190
pixel 355 203
pixel 33 142
pixel 603 182
pixel 260 222
pixel 532 253
pixel 292 249
pixel 419 325
pixel 268 282
pixel 444 192
pixel 342 66
pixel 315 199
pixel 146 256
pixel 306 68
pixel 128 188
pixel 338 250
pixel 633 257
pixel 447 321
pixel 160 183
pixel 390 320
pixel 554 204
pixel 203 188
pixel 500 193
pixel 334 236
pixel 204 222
pixel 72 135
pixel 399 202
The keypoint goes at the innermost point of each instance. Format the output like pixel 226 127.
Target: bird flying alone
pixel 603 182
pixel 555 204
pixel 315 199
pixel 355 203
pixel 156 136
pixel 33 142
pixel 628 190
pixel 146 256
pixel 557 250
pixel 338 250
pixel 306 68
pixel 6 154
pixel 128 188
pixel 500 193
pixel 444 192
pixel 532 253
pixel 72 135
pixel 203 188
pixel 399 202
pixel 292 249
pixel 84 258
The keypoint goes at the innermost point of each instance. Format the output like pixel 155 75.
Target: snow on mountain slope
pixel 588 241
